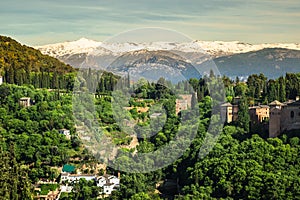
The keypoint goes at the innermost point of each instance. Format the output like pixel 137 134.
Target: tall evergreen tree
pixel 282 89
pixel 243 114
pixel 272 91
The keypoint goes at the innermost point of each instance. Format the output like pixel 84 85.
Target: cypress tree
pixel 282 89
pixel 243 114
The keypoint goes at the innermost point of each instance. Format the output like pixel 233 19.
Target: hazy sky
pixel 36 22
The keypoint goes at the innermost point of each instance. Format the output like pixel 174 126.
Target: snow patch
pixel 213 48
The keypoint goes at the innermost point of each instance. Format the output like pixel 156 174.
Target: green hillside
pixel 20 64
pixel 16 56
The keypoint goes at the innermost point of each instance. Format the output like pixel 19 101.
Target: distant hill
pixel 272 62
pixel 154 64
pixel 15 56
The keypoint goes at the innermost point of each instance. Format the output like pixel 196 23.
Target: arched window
pixel 292 114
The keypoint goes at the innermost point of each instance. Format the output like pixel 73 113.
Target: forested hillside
pixel 20 64
pixel 17 56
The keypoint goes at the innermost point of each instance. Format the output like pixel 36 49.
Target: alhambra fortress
pixel 275 118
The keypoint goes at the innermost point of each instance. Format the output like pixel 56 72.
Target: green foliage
pixel 20 65
pixel 14 182
pixel 46 188
pixel 34 130
pixel 141 196
pixel 83 190
pixel 23 59
pixel 256 85
pixel 243 120
pixel 249 169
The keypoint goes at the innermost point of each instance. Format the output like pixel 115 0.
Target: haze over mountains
pixel 232 58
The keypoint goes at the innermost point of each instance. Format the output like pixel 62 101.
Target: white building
pixel 1 80
pixel 113 179
pixel 25 102
pixel 76 177
pixel 101 181
pixel 108 188
pixel 109 183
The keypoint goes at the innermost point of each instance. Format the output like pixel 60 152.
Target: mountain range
pixel 231 58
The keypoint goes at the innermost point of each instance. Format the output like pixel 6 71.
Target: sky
pixel 39 22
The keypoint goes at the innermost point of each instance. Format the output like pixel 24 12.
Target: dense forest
pixel 243 164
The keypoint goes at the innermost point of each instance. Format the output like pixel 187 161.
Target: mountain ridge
pixel 232 58
pixel 213 48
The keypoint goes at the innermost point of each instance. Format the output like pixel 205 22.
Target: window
pixel 292 114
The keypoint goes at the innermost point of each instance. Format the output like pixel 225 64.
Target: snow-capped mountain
pixel 82 45
pixel 214 48
pixel 231 58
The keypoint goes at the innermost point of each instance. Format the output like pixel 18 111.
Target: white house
pixel 108 188
pixel 1 80
pixel 101 181
pixel 66 132
pixel 109 183
pixel 107 179
pixel 113 179
pixel 25 101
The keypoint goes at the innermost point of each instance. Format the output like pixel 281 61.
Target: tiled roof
pixel 260 106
